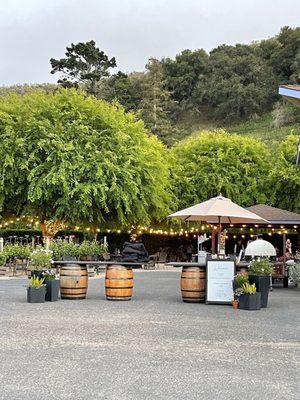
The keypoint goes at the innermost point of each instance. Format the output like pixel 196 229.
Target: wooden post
pixel 213 241
pixel 219 234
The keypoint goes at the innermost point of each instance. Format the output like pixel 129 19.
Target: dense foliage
pixel 229 84
pixel 84 64
pixel 284 178
pixel 216 162
pixel 69 157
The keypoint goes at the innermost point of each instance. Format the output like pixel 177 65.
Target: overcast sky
pixel 33 31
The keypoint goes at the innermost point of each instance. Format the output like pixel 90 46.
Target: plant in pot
pixel 36 290
pixel 52 286
pixel 64 251
pixel 260 272
pixel 239 280
pixel 87 251
pixel 249 298
pixel 40 262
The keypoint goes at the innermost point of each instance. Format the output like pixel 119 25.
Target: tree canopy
pixel 69 157
pixel 216 162
pixel 84 64
pixel 284 176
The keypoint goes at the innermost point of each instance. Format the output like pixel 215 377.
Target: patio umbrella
pixel 220 210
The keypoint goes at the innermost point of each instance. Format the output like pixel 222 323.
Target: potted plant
pixel 64 251
pixel 40 261
pixel 240 279
pixel 36 290
pixel 235 304
pixel 249 298
pixel 52 286
pixel 260 272
pixel 16 254
pixel 87 251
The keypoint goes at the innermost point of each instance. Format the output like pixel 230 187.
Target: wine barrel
pixel 118 282
pixel 193 284
pixel 73 281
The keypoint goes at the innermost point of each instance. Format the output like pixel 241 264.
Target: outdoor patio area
pixel 154 344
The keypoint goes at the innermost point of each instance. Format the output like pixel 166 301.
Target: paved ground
pixel 154 347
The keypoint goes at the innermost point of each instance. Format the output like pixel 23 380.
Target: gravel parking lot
pixel 153 347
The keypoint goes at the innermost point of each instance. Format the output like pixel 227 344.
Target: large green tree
pixel 84 64
pixel 284 176
pixel 67 157
pixel 156 100
pixel 183 74
pixel 238 85
pixel 210 163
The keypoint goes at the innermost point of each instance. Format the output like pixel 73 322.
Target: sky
pixel 33 31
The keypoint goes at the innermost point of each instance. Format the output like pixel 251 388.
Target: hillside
pixel 262 129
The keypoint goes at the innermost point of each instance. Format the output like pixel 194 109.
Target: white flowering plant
pixel 261 267
pixel 41 259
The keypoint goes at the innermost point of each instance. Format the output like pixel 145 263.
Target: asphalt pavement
pixel 152 347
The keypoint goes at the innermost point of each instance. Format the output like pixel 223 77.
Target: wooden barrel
pixel 193 284
pixel 73 281
pixel 118 282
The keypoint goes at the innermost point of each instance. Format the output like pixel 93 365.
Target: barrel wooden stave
pixel 193 284
pixel 118 282
pixel 73 282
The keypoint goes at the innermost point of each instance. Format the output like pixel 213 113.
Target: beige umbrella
pixel 219 210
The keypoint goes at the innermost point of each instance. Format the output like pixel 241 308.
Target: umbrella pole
pixel 219 235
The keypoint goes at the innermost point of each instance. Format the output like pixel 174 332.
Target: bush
pixel 285 114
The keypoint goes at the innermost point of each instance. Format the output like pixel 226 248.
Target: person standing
pixel 238 247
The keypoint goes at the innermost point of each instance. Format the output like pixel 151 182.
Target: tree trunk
pixel 50 228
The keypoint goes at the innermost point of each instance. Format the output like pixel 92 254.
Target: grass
pixel 262 129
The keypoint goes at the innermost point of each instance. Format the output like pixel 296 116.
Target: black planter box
pixel 250 301
pixel 262 283
pixel 52 289
pixel 36 295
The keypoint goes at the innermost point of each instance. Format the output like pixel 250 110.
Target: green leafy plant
pixel 92 248
pixel 36 282
pixel 17 251
pixel 260 267
pixel 241 278
pixel 41 259
pixel 49 276
pixel 62 248
pixel 2 259
pixel 249 289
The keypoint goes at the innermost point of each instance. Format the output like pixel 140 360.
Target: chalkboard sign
pixel 219 277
